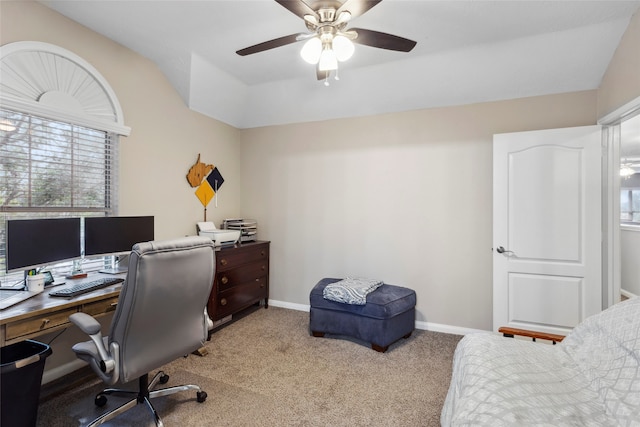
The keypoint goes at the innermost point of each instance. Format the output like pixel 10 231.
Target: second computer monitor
pixel 112 235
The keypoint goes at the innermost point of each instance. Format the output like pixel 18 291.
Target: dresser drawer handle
pixel 223 261
pixel 224 280
pixel 262 253
pixel 223 301
pixel 263 268
pixel 45 322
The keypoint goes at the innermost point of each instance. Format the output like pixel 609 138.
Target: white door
pixel 547 228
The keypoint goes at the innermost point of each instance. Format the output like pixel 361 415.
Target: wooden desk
pixel 43 314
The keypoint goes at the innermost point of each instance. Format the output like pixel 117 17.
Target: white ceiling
pixel 467 52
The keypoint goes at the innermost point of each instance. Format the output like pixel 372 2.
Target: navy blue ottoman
pixel 388 315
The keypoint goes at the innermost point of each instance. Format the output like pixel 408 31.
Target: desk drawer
pixel 38 324
pixel 226 259
pixel 241 296
pixel 230 278
pixel 101 307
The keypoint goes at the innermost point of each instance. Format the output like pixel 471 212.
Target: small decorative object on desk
pixel 248 228
pixel 35 282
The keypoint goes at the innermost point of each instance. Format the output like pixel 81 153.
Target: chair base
pixel 144 395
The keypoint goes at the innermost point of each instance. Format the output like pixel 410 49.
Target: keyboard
pixel 83 288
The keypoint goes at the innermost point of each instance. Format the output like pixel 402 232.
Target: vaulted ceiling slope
pixel 467 52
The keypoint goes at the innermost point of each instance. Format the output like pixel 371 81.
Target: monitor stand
pixel 116 267
pixel 113 270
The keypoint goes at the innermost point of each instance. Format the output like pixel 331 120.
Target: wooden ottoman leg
pixel 317 334
pixel 379 348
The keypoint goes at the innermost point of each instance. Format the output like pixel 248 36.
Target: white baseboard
pixel 425 326
pixel 62 370
pixel 627 294
pixel 289 305
pixel 446 329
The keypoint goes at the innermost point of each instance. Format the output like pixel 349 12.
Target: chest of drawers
pixel 241 280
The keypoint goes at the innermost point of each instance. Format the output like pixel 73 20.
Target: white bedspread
pixel 592 378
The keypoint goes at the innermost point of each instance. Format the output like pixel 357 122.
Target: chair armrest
pixel 86 323
pixel 511 332
pixel 91 327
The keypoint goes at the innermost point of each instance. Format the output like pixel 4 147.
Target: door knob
pixel 502 250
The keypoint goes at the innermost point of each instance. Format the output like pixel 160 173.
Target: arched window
pixel 60 122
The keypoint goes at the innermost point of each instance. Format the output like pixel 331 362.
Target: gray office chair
pixel 160 317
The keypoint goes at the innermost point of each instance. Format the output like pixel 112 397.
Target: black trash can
pixel 22 365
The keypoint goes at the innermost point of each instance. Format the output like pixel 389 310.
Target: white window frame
pixel 62 87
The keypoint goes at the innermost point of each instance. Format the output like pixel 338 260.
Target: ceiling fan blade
pixel 382 40
pixel 297 7
pixel 270 44
pixel 357 7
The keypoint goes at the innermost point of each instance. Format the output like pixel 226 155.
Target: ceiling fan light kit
pixel 329 42
pixel 343 47
pixel 328 60
pixel 311 50
pixel 327 55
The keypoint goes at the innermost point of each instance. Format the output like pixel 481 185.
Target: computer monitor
pixel 112 235
pixel 33 243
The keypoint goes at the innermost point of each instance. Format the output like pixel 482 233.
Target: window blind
pixel 52 169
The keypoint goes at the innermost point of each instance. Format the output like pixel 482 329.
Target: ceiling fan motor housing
pixel 327 15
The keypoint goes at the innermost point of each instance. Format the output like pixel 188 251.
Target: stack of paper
pixel 248 228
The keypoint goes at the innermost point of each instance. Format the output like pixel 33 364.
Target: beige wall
pixel 405 197
pixel 621 82
pixel 166 136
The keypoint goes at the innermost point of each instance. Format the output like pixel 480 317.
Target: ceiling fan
pixel 329 40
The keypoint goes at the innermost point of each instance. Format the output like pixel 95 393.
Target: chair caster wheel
pixel 202 396
pixel 100 400
pixel 164 379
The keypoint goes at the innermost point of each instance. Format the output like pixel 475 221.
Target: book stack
pixel 248 228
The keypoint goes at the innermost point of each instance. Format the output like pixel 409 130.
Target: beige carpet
pixel 266 370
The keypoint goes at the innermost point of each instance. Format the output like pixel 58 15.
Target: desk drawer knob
pixel 223 301
pixel 224 280
pixel 45 322
pixel 223 261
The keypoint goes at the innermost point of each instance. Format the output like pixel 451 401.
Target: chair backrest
pixel 160 312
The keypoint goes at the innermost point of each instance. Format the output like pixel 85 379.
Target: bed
pixel 591 378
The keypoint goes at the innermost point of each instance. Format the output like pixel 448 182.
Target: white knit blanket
pixel 591 378
pixel 351 290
